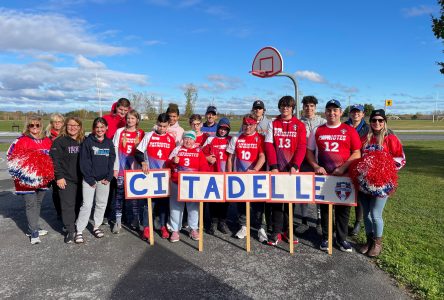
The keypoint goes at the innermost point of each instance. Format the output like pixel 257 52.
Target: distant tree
pixel 160 106
pixel 345 113
pixel 368 108
pixel 191 98
pixel 143 103
pixel 438 29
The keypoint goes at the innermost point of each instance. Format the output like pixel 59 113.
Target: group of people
pixel 89 172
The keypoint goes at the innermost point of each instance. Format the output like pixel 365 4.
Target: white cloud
pixel 45 87
pixel 50 33
pixel 85 63
pixel 419 10
pixel 153 42
pixel 220 83
pixel 310 75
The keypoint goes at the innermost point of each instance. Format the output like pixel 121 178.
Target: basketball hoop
pixel 267 63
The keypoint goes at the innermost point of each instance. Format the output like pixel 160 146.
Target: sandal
pixel 78 239
pixel 98 233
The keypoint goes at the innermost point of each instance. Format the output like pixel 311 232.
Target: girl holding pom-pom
pixel 32 170
pixel 379 138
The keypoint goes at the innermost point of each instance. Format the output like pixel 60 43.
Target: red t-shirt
pixel 246 150
pixel 190 159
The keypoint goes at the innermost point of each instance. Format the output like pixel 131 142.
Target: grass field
pixel 414 222
pixel 147 125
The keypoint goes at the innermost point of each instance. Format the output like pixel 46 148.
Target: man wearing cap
pixel 357 121
pixel 258 112
pixel 336 145
pixel 285 146
pixel 210 125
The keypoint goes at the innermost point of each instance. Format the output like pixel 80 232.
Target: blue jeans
pixel 373 208
pixel 132 207
pixel 176 211
pixel 162 208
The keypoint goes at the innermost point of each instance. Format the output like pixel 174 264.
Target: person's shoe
pixel 175 237
pixel 275 239
pixel 242 233
pixel 356 229
pixel 42 232
pixel 117 227
pixel 194 234
pixel 164 233
pixel 69 238
pixel 286 238
pixel 105 221
pixel 305 221
pixel 262 235
pixel 64 229
pixel 363 249
pixel 324 245
pixel 212 229
pixel 146 233
pixel 135 225
pixel 35 239
pixel 223 228
pixel 376 248
pixel 344 246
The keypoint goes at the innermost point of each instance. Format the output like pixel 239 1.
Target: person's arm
pixel 116 141
pixel 270 151
pixel 56 154
pixel 343 168
pixel 310 157
pixel 111 160
pixel 86 164
pixel 259 163
pixel 301 148
pixel 230 162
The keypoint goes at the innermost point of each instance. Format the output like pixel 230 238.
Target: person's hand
pixel 145 168
pixel 104 181
pixel 293 171
pixel 116 173
pixel 320 170
pixel 61 183
pixel 176 159
pixel 275 171
pixel 211 159
pixel 338 171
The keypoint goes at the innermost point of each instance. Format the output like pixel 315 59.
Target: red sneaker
pixel 274 239
pixel 164 232
pixel 287 239
pixel 145 234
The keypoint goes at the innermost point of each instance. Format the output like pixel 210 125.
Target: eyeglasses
pixel 377 120
pixel 73 125
pixel 195 124
pixel 34 125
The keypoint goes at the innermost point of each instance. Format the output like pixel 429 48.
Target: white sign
pixel 155 184
pixel 208 187
pixel 337 190
pixel 247 187
pixel 297 188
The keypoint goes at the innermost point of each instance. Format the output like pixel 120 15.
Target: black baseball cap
pixel 258 104
pixel 211 110
pixel 378 113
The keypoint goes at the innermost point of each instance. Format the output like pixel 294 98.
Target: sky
pixel 59 56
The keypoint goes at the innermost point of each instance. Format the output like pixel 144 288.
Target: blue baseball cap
pixel 357 106
pixel 333 102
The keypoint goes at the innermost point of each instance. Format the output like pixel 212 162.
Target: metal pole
pixel 296 91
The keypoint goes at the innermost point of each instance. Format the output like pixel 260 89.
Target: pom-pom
pixel 31 168
pixel 375 173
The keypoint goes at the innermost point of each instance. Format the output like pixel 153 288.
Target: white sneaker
pixel 262 235
pixel 41 232
pixel 242 233
pixel 35 241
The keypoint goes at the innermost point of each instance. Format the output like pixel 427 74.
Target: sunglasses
pixel 34 125
pixel 195 124
pixel 377 120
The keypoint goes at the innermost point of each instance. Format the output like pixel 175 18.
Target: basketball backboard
pixel 267 63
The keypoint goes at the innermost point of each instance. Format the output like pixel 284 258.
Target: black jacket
pixel 97 159
pixel 65 156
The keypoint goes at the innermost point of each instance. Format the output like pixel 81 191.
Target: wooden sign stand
pixel 247 214
pixel 330 229
pixel 201 221
pixel 290 227
pixel 150 221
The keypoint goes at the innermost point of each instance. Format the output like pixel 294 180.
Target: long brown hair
pixel 81 135
pixel 379 136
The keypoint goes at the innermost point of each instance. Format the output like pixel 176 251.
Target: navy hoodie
pixel 97 159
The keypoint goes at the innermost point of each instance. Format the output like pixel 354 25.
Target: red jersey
pixel 333 145
pixel 114 122
pixel 285 143
pixel 246 150
pixel 190 159
pixel 200 140
pixel 157 148
pixel 125 143
pixel 217 146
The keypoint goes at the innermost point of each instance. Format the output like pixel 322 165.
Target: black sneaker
pixel 223 228
pixel 304 221
pixel 356 229
pixel 212 229
pixel 344 246
pixel 69 238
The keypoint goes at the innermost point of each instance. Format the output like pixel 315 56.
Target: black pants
pixel 279 217
pixel 109 211
pixel 218 212
pixel 257 210
pixel 341 216
pixel 56 197
pixel 70 200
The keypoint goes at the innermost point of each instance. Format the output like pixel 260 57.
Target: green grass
pixel 414 226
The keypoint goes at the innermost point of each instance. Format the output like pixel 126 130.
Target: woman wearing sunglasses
pixel 379 138
pixel 27 166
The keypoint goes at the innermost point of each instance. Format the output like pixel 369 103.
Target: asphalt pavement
pixel 124 267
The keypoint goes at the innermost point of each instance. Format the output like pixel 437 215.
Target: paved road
pixel 124 267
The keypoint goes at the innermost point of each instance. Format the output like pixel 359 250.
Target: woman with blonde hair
pixel 27 152
pixel 65 155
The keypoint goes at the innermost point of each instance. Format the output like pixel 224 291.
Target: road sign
pixel 388 102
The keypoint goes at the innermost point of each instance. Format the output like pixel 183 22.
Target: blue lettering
pixel 159 177
pixel 191 179
pixel 131 185
pixel 231 180
pixel 212 188
pixel 318 188
pixel 299 195
pixel 273 189
pixel 257 186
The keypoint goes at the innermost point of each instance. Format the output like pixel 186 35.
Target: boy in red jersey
pixel 285 145
pixel 246 154
pixel 336 145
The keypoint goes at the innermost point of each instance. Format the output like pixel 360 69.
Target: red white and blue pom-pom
pixel 32 169
pixel 375 173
